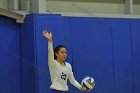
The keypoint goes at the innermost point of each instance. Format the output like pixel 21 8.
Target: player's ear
pixel 56 54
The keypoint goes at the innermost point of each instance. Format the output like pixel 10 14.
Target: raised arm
pixel 50 48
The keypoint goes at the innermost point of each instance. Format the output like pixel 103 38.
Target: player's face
pixel 62 54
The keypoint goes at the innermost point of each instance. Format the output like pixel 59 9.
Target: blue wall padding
pixel 54 24
pixel 135 34
pixel 122 58
pixel 3 59
pixel 28 56
pixel 88 39
pixel 106 49
pixel 34 50
pixel 10 66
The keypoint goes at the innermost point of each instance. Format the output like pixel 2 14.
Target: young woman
pixel 60 71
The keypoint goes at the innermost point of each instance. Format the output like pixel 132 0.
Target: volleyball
pixel 88 83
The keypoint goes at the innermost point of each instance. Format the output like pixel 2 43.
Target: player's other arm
pixel 73 81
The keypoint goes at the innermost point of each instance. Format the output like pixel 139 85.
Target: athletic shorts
pixel 57 91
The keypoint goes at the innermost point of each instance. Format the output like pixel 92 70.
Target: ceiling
pixel 100 1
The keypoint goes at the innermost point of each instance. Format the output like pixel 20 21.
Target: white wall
pixel 137 9
pixel 61 6
pixel 83 7
pixel 3 3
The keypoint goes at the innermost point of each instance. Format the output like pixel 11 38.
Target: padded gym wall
pixel 10 72
pixel 36 76
pixel 104 48
pixel 92 52
pixel 135 34
pixel 28 56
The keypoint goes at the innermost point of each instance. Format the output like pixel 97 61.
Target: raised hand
pixel 83 89
pixel 47 35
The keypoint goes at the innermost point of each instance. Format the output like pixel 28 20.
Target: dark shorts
pixel 57 91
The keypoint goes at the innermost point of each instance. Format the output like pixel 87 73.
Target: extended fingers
pixel 45 32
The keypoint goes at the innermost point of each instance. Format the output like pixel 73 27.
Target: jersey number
pixel 63 76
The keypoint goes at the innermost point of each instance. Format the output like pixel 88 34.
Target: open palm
pixel 47 35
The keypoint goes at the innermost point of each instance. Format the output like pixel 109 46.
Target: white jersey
pixel 59 73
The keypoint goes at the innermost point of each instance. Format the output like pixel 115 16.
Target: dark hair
pixel 56 50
